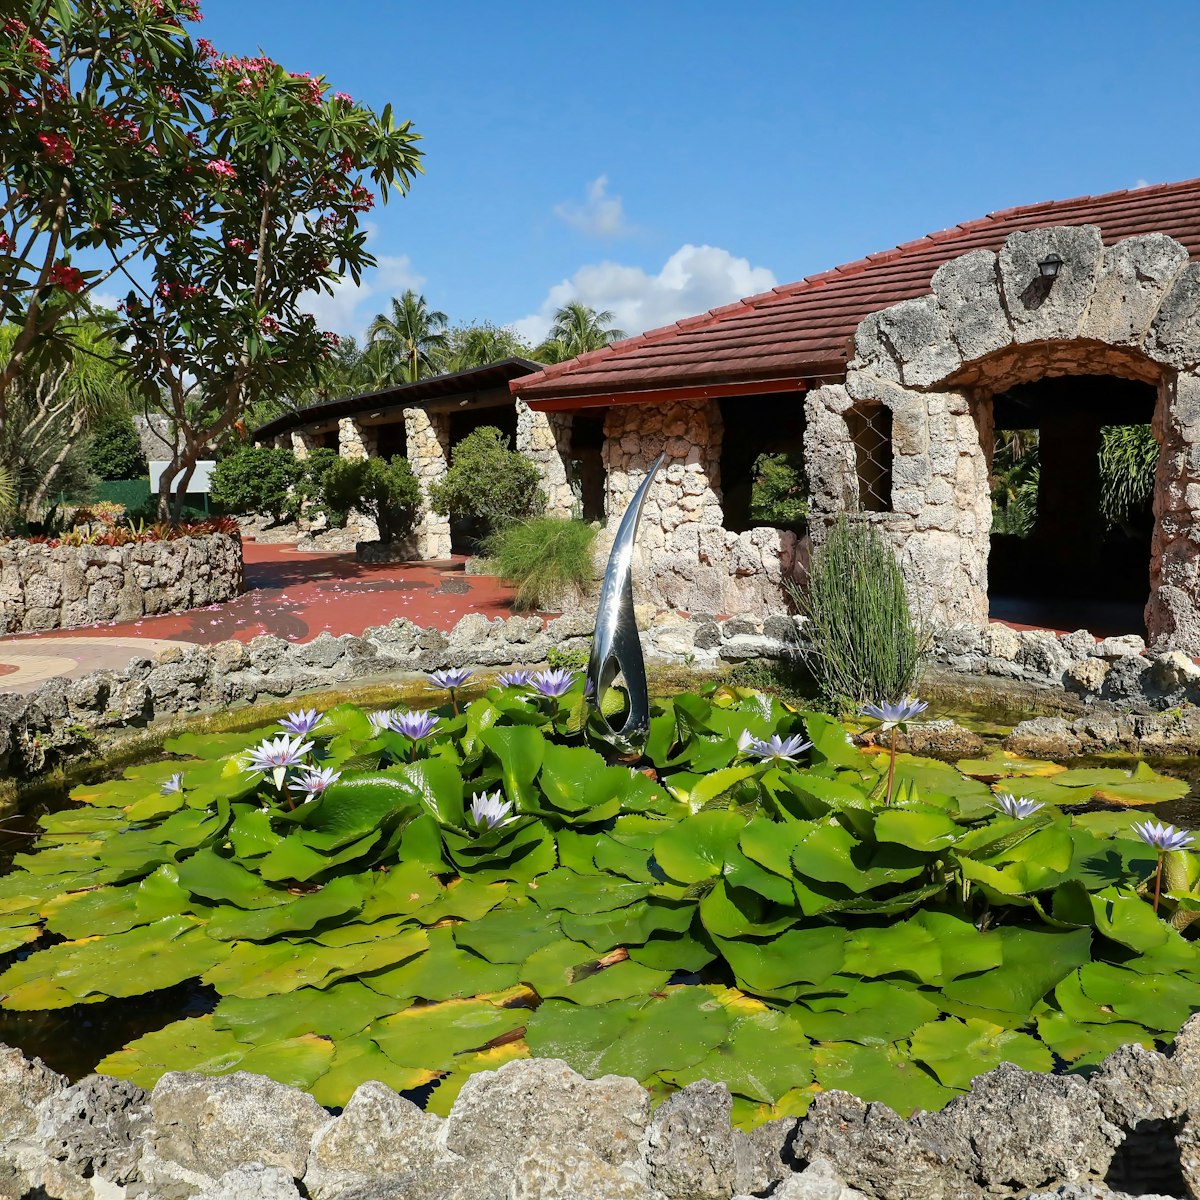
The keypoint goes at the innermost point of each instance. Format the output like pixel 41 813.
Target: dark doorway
pixel 1072 491
pixel 587 464
pixel 762 462
pixel 390 440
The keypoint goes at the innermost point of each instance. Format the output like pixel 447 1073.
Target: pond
pixel 752 906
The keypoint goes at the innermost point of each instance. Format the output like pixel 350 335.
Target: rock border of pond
pixel 537 1130
pixel 1105 694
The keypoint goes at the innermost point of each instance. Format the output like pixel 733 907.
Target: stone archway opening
pixel 1071 476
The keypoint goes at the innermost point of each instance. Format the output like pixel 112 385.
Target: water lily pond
pixel 362 896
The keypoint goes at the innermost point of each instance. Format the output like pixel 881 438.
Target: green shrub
pixel 543 558
pixel 489 481
pixel 116 450
pixel 864 643
pixel 567 660
pixel 308 496
pixel 385 490
pixel 1128 460
pixel 255 479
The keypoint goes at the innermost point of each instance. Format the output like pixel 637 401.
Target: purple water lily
pixel 450 678
pixel 774 749
pixel 488 810
pixel 1016 806
pixel 1163 840
pixel 275 756
pixel 414 725
pixel 891 715
pixel 554 683
pixel 173 785
pixel 312 781
pixel 515 679
pixel 303 722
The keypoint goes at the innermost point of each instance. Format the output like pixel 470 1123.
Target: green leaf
pixel 1033 962
pixel 905 948
pixel 338 1011
pixel 694 850
pixel 509 935
pixel 956 1051
pixel 871 1013
pixel 576 973
pixel 794 956
pixel 881 1073
pixel 339 898
pixel 443 972
pixel 1157 1001
pixel 635 1037
pixel 434 1035
pixel 520 750
pixel 145 959
pixel 563 889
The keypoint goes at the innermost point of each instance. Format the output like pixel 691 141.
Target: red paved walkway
pixel 292 595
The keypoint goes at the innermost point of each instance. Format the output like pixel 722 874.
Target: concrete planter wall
pixel 58 587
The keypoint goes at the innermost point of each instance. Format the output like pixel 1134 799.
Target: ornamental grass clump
pixel 547 560
pixel 864 644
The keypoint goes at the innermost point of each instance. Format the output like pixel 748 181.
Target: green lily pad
pixel 956 1051
pixel 338 1012
pixel 577 973
pixel 636 1037
pixel 443 972
pixel 434 1035
pixel 881 1073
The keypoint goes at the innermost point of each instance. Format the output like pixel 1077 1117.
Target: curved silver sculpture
pixel 616 647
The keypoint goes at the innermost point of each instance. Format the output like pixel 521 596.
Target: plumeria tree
pixel 95 99
pixel 265 208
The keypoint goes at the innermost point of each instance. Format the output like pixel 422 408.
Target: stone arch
pixel 991 320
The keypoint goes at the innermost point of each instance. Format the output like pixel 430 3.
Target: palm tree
pixel 479 345
pixel 577 329
pixel 412 337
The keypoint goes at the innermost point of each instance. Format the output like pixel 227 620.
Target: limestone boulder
pixel 690 1145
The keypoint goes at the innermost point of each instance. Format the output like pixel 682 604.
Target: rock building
pixel 896 377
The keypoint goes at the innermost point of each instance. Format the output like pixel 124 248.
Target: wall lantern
pixel 1048 266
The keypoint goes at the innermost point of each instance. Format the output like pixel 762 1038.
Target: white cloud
pixel 346 311
pixel 693 280
pixel 1141 183
pixel 104 300
pixel 601 215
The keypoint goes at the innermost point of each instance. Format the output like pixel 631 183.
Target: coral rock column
pixel 428 439
pixel 545 439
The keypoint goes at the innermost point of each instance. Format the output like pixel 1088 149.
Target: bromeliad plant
pixel 415 897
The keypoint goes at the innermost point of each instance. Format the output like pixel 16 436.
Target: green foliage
pixel 780 492
pixel 545 559
pixel 481 343
pixel 489 481
pixel 411 338
pixel 116 450
pixel 1128 459
pixel 386 490
pixel 863 642
pixel 256 479
pixel 309 496
pixel 577 328
pixel 376 931
pixel 1015 475
pixel 567 660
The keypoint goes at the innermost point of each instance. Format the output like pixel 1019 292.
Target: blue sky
pixel 659 158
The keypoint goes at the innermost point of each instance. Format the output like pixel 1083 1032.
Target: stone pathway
pixel 292 595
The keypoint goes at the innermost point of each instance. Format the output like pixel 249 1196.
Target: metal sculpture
pixel 616 647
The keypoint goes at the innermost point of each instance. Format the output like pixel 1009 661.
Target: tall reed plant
pixel 865 645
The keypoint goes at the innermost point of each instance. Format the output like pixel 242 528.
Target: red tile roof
pixel 803 330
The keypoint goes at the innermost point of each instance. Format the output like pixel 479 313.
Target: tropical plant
pixel 256 479
pixel 411 337
pixel 385 490
pixel 479 344
pixel 1128 460
pixel 115 451
pixel 1015 480
pixel 864 645
pixel 546 559
pixel 309 497
pixel 67 386
pixel 779 496
pixel 488 481
pixel 416 897
pixel 577 328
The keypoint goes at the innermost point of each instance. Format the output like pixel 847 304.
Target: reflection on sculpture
pixel 616 647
